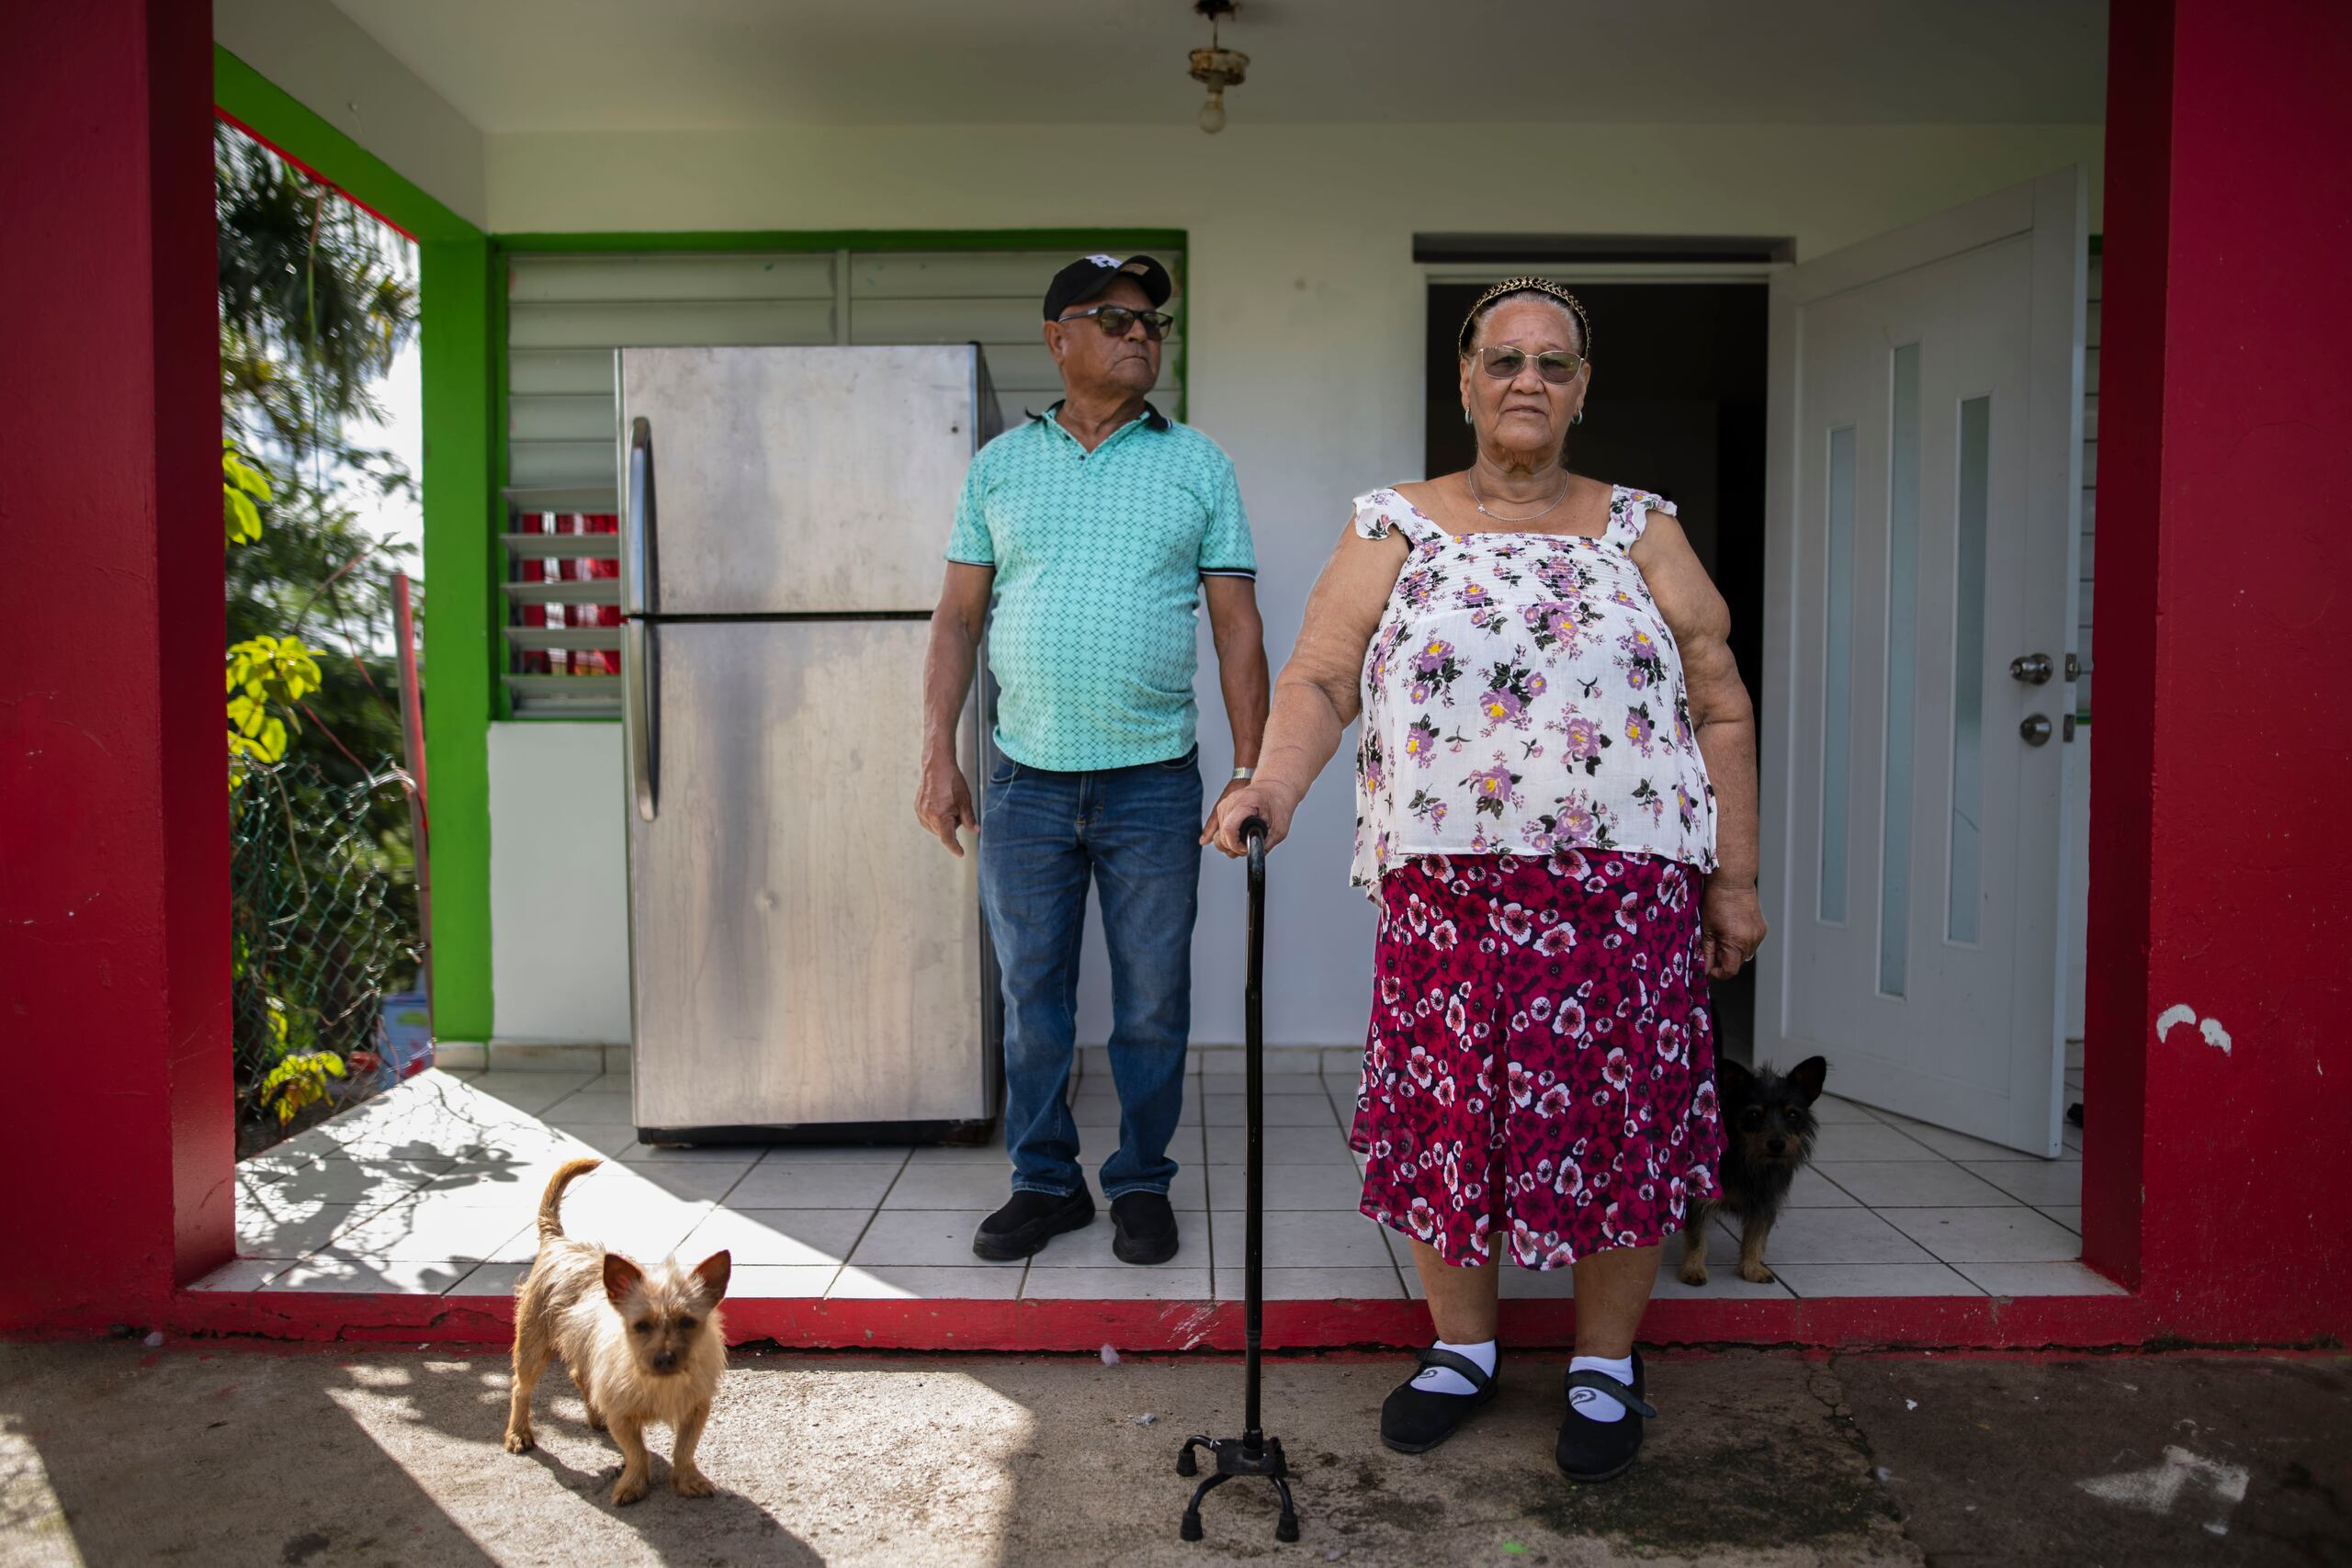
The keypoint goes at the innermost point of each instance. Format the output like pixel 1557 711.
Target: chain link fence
pixel 322 927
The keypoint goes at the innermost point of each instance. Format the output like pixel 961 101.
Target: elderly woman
pixel 1555 812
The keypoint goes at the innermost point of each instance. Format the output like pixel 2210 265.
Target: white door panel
pixel 1924 453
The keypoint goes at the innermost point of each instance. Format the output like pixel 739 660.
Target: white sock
pixel 1592 1402
pixel 1446 1380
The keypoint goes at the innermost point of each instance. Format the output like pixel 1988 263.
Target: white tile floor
pixel 431 1189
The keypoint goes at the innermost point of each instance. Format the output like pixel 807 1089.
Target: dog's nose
pixel 665 1360
pixel 1778 1145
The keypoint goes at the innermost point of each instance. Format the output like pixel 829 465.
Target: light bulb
pixel 1213 111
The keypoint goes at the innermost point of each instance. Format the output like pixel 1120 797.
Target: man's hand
pixel 1243 799
pixel 944 804
pixel 1731 927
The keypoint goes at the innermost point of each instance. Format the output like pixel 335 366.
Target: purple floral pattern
pixel 1522 693
pixel 1540 1056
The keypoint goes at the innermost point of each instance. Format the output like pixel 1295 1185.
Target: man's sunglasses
pixel 1504 364
pixel 1114 321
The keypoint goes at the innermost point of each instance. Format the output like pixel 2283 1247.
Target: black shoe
pixel 1414 1420
pixel 1596 1450
pixel 1030 1220
pixel 1143 1229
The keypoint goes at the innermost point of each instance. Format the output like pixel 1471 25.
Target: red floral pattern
pixel 1540 1056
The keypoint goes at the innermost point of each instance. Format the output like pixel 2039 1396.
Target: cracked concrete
pixel 214 1452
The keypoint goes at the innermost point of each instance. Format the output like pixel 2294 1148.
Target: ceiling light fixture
pixel 1217 67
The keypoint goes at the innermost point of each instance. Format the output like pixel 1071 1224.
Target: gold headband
pixel 1543 285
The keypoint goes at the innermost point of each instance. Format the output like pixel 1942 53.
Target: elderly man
pixel 1094 531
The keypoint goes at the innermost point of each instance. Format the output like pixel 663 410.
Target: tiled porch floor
pixel 430 1188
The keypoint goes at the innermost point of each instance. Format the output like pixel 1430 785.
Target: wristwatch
pixel 1240 774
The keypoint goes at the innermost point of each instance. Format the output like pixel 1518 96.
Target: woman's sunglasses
pixel 1114 321
pixel 1504 364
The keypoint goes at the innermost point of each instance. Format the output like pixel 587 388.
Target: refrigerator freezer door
pixel 799 481
pixel 803 953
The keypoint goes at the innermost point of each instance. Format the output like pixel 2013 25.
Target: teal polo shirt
pixel 1099 558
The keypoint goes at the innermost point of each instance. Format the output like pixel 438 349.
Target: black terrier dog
pixel 1768 1117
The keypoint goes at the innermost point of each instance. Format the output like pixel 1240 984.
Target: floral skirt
pixel 1540 1058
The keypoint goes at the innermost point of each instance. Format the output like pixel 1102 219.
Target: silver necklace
pixel 1567 482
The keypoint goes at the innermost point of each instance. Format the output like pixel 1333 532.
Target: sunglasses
pixel 1114 321
pixel 1559 368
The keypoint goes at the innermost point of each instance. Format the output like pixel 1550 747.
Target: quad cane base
pixel 1251 1455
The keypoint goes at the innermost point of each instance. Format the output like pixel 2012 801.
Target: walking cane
pixel 1253 1452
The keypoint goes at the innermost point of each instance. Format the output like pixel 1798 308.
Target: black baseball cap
pixel 1089 275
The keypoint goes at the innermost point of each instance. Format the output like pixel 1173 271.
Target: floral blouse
pixel 1523 694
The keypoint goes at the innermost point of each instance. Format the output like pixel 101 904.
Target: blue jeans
pixel 1137 832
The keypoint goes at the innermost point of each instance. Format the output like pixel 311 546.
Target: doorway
pixel 1677 407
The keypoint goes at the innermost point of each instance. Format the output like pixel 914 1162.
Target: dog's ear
pixel 1731 1080
pixel 1808 1076
pixel 713 1272
pixel 621 1277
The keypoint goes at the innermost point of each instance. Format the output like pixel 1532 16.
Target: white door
pixel 1925 461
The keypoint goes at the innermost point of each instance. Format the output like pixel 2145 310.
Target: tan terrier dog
pixel 644 1346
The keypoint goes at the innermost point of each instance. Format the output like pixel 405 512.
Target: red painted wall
pixel 2221 864
pixel 116 1143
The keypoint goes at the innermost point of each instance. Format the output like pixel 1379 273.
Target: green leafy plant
pixel 317 301
pixel 263 670
pixel 299 1080
pixel 268 676
pixel 242 484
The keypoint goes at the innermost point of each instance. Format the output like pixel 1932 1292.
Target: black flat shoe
pixel 1029 1221
pixel 1143 1229
pixel 1414 1420
pixel 1596 1450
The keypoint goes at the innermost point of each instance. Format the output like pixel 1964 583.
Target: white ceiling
pixel 531 65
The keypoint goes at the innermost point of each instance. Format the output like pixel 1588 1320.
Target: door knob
pixel 2033 668
pixel 2036 730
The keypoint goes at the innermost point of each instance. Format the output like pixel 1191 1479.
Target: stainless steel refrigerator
pixel 806 963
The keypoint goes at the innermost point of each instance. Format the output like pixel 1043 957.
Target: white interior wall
pixel 559 883
pixel 1305 315
pixel 322 60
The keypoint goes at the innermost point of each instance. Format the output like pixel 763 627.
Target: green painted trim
pixel 502 700
pixel 1184 342
pixel 2096 243
pixel 270 114
pixel 462 620
pixel 847 239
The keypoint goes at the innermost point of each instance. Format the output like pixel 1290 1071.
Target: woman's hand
pixel 1731 926
pixel 1256 798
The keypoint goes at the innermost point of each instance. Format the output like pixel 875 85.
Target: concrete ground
pixel 212 1453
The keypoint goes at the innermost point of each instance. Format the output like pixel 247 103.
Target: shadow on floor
pixel 243 1455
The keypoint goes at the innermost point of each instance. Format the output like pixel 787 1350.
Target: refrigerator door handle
pixel 640 716
pixel 637 584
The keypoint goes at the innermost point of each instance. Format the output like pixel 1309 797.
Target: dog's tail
pixel 551 1201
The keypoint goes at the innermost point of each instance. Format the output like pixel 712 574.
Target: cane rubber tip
pixel 1191 1529
pixel 1185 1464
pixel 1286 1528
